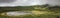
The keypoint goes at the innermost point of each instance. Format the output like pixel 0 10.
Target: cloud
pixel 53 2
pixel 7 1
pixel 23 3
pixel 31 2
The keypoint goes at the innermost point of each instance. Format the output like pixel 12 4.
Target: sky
pixel 53 2
pixel 23 3
pixel 29 2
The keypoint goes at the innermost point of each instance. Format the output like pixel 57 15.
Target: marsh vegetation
pixel 39 11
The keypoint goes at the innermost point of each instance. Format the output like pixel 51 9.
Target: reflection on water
pixel 16 13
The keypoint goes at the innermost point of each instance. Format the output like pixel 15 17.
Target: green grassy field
pixel 32 16
pixel 43 8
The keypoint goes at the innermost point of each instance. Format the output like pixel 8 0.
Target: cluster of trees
pixel 20 8
pixel 30 8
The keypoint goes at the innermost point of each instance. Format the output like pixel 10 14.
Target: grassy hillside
pixel 42 11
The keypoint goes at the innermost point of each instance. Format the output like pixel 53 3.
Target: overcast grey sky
pixel 30 2
pixel 54 2
pixel 24 3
